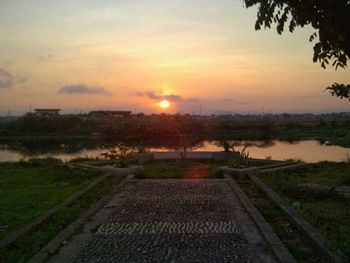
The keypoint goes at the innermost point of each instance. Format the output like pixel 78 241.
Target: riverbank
pixel 333 136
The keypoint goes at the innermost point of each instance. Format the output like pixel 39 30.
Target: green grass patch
pixel 29 189
pixel 285 230
pixel 329 213
pixel 27 246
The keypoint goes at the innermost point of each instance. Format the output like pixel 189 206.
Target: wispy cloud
pixel 173 98
pixel 83 89
pixel 8 80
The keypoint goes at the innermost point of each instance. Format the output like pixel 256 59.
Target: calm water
pixel 310 151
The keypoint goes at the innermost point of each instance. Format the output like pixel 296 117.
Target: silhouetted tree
pixel 340 90
pixel 330 19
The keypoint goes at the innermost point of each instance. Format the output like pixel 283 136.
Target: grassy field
pixel 28 189
pixel 285 230
pixel 326 211
pixel 38 186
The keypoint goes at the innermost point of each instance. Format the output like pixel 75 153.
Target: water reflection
pixel 310 151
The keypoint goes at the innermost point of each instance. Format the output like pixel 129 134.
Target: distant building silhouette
pixel 47 112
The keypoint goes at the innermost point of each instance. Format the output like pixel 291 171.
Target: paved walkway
pixel 169 221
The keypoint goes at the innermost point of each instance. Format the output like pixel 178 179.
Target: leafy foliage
pixel 184 130
pixel 241 159
pixel 340 90
pixel 120 155
pixel 330 19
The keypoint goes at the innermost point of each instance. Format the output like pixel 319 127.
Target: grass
pixel 29 189
pixel 176 169
pixel 328 212
pixel 27 246
pixel 41 174
pixel 286 231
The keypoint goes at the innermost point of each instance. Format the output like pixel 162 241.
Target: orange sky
pixel 131 54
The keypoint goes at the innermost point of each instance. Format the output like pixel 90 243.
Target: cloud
pixel 150 94
pixel 173 98
pixel 83 89
pixel 7 80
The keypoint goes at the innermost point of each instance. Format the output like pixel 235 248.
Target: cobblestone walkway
pixel 169 221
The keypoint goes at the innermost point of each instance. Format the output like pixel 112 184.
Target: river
pixel 309 151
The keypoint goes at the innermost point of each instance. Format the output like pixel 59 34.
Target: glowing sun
pixel 164 104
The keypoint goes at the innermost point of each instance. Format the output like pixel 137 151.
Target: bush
pixel 120 155
pixel 241 159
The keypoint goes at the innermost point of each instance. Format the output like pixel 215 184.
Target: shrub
pixel 240 159
pixel 120 155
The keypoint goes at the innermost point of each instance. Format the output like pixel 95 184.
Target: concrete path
pixel 169 221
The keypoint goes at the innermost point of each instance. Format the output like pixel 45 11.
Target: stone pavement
pixel 169 221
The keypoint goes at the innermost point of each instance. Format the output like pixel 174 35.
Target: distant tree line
pixel 164 128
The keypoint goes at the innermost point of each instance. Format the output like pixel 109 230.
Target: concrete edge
pixel 55 244
pixel 298 166
pixel 239 172
pixel 11 238
pixel 275 167
pixel 312 235
pixel 280 251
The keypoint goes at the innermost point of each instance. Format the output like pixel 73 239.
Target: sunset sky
pixel 81 55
